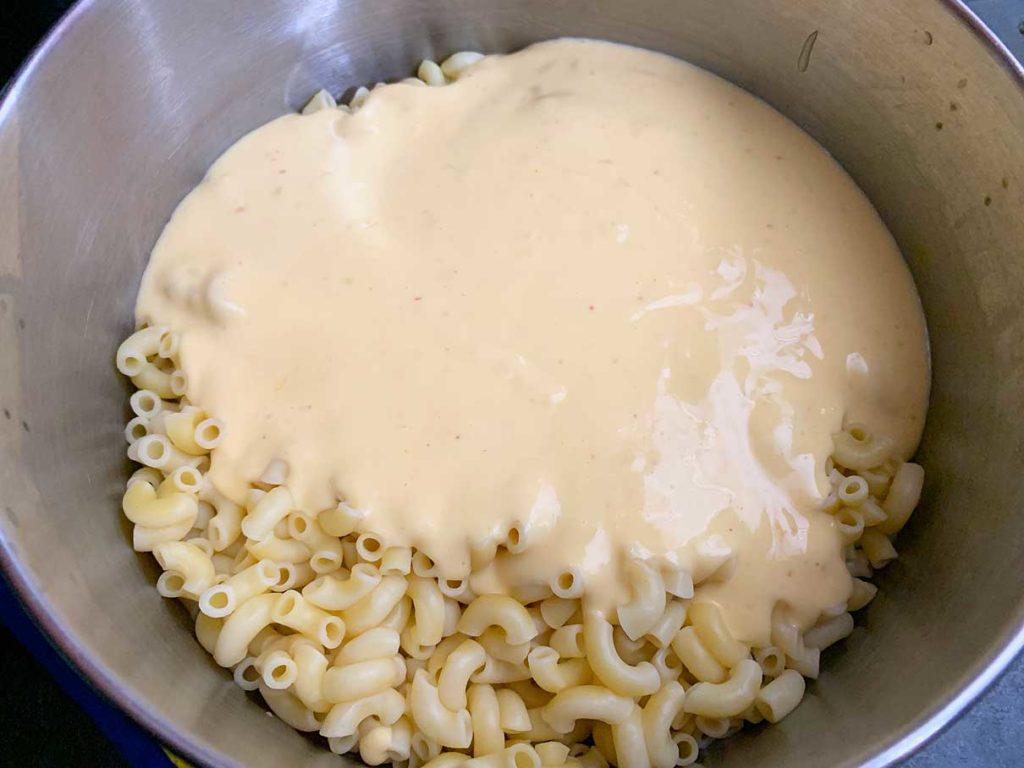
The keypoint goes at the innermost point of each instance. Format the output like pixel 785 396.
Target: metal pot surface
pixel 127 103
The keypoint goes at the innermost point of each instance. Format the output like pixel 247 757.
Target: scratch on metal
pixel 804 60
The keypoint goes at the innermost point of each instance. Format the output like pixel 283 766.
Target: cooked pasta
pixel 404 660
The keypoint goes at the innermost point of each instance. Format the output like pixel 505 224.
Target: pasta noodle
pixel 567 641
pixel 294 611
pixel 362 679
pixel 780 696
pixel 242 626
pixel 513 716
pixel 334 594
pixel 726 699
pixel 429 610
pixel 609 668
pixel 586 702
pixel 485 713
pixel 556 611
pixel 447 728
pixel 497 648
pixel 553 674
pixel 628 738
pixel 857 449
pixel 344 719
pixel 221 599
pixel 668 625
pixel 707 621
pixel 639 616
pixel 829 631
pixel 461 664
pixel 696 658
pixel 498 611
pixel 194 565
pixel 657 717
pixel 902 498
pixel 372 609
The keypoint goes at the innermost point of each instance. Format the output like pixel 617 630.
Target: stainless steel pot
pixel 123 108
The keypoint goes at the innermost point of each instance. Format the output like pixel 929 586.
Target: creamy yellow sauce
pixel 586 288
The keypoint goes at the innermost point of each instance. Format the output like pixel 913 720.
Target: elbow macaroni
pixel 498 611
pixel 364 641
pixel 448 728
pixel 657 716
pixel 639 616
pixel 629 742
pixel 609 667
pixel 726 699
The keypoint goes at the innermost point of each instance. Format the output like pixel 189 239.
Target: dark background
pixel 43 723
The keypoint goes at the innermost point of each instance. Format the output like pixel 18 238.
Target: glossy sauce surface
pixel 585 288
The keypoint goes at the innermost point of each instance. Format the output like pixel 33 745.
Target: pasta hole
pixel 132 364
pixel 285 577
pixel 772 661
pixel 170 584
pixel 250 674
pixel 332 632
pixel 155 450
pixel 218 600
pixel 178 383
pixel 514 537
pixel 323 562
pixel 139 430
pixel 280 672
pixel 188 479
pixel 687 748
pixel 422 565
pixel 859 434
pixel 566 581
pixel 369 547
pixel 208 434
pixel 849 518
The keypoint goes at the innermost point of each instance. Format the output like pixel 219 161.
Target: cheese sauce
pixel 586 289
